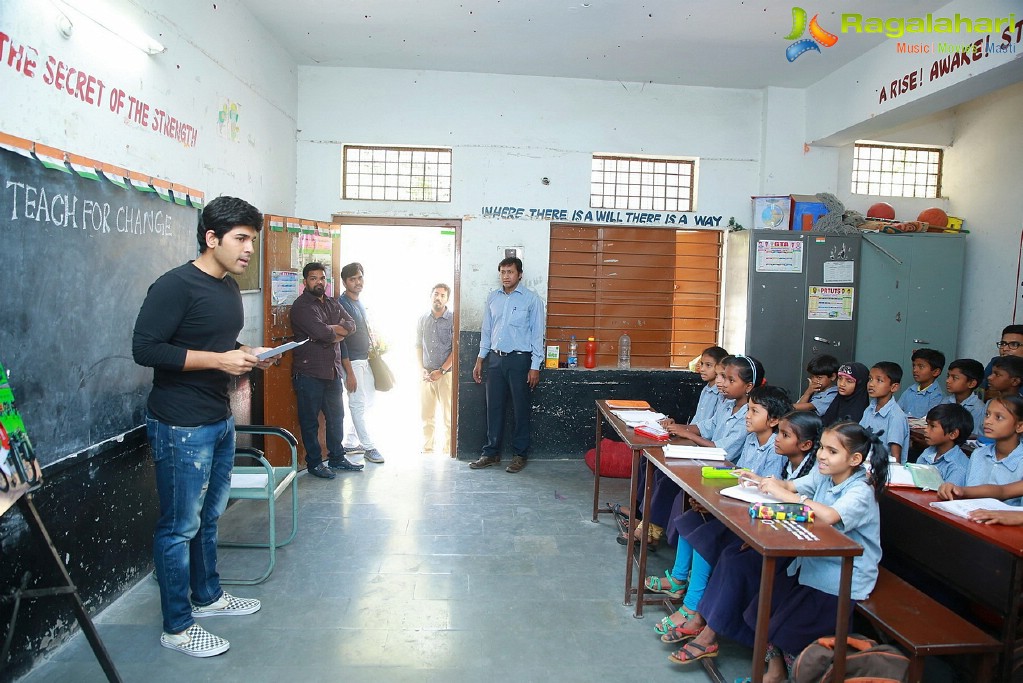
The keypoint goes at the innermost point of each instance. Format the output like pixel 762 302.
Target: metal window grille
pixel 641 183
pixel 401 174
pixel 896 170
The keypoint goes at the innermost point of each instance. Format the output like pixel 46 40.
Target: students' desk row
pixel 770 540
pixel 982 562
pixel 636 443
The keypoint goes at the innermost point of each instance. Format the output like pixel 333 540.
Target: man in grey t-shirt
pixel 434 344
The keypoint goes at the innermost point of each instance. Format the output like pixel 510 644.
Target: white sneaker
pixel 227 605
pixel 195 641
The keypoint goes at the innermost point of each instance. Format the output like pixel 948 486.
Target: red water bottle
pixel 591 353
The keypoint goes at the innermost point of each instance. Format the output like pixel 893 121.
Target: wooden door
pixel 289 244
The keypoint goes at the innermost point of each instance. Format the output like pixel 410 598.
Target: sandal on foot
pixel 616 508
pixel 685 656
pixel 667 624
pixel 675 589
pixel 680 634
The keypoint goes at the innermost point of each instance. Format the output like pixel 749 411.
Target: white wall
pixel 508 132
pixel 983 181
pixel 936 130
pixel 789 164
pixel 849 99
pixel 216 54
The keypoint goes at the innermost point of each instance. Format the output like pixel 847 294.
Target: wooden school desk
pixel 771 542
pixel 637 444
pixel 982 562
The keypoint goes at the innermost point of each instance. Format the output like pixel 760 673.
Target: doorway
pixel 403 259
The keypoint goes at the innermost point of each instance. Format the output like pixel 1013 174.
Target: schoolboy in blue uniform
pixel 926 393
pixel 883 412
pixel 1011 344
pixel 822 390
pixel 1006 376
pixel 964 376
pixel 948 427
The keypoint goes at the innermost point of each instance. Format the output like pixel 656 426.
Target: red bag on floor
pixel 615 459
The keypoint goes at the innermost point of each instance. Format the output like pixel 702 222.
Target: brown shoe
pixel 484 461
pixel 518 463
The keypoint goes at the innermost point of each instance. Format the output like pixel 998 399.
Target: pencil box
pixel 652 432
pixel 796 512
pixel 718 473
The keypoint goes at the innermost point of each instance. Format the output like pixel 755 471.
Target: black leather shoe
pixel 484 461
pixel 322 471
pixel 346 465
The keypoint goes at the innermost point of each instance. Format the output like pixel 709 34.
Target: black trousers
pixel 507 375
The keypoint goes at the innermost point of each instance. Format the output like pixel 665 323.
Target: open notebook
pixel 926 477
pixel 965 506
pixel 749 494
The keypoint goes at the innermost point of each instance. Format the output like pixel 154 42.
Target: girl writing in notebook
pixel 805 599
pixel 994 469
pixel 794 445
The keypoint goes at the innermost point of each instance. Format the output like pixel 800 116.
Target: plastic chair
pixel 264 482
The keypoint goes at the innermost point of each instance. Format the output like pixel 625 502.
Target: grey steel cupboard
pixel 912 287
pixel 789 296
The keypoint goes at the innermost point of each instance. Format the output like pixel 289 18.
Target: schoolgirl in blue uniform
pixel 804 606
pixel 795 445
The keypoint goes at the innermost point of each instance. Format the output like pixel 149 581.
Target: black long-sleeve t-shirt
pixel 187 310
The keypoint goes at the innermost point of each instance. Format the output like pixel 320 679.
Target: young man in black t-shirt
pixel 187 331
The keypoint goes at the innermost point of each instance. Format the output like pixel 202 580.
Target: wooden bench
pixel 924 628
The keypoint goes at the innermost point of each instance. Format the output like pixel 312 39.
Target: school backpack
pixel 865 662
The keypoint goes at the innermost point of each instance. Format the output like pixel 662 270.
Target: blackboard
pixel 78 256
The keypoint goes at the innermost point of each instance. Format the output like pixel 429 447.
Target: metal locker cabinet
pixel 912 287
pixel 765 311
pixel 831 266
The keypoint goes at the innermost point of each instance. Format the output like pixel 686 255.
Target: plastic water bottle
pixel 573 352
pixel 625 351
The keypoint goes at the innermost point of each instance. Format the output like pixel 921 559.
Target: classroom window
pixel 896 170
pixel 399 174
pixel 642 183
pixel 660 285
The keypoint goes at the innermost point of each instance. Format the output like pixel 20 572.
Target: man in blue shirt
pixel 512 337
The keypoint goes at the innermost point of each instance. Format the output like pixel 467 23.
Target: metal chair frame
pixel 278 480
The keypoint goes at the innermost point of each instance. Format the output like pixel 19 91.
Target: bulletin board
pixel 81 242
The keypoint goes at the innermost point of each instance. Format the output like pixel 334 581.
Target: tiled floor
pixel 417 570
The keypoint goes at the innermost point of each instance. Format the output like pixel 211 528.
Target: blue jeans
pixel 315 395
pixel 193 480
pixel 508 375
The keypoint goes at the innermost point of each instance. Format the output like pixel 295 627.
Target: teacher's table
pixel 983 562
pixel 636 443
pixel 772 541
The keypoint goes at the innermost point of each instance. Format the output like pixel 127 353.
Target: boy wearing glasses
pixel 1011 344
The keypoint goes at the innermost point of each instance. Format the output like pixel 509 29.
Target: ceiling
pixel 720 43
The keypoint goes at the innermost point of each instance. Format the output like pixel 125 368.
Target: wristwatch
pixel 803 499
